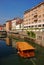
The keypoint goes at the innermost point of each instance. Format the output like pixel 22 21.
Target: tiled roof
pixel 19 21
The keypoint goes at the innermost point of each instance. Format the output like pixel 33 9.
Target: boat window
pixel 28 50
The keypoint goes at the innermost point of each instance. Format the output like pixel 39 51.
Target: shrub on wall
pixel 28 33
pixel 31 34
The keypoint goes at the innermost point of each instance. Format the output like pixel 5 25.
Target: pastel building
pixel 1 27
pixel 13 24
pixel 17 23
pixel 8 25
pixel 34 18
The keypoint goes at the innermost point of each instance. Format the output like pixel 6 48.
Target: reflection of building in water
pixel 13 43
pixel 8 41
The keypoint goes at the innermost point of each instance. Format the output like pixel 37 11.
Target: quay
pixel 3 33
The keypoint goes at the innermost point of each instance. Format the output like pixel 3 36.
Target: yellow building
pixel 34 17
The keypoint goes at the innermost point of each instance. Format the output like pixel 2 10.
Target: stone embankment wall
pixel 23 34
pixel 40 38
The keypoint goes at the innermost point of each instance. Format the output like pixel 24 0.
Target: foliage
pixel 28 33
pixel 31 34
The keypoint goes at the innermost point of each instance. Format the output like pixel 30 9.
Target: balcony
pixel 35 20
pixel 35 16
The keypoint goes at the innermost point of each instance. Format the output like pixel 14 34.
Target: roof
pixel 24 46
pixel 19 21
pixel 8 20
pixel 33 8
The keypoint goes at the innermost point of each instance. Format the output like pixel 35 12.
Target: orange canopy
pixel 24 46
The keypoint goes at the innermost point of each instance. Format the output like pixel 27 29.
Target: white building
pixel 19 26
pixel 13 24
pixel 17 23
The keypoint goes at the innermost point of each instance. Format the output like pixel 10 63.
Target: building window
pixel 39 16
pixel 35 16
pixel 35 25
pixel 43 25
pixel 39 25
pixel 43 15
pixel 39 20
pixel 35 21
pixel 29 26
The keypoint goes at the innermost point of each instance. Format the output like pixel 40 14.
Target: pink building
pixel 1 27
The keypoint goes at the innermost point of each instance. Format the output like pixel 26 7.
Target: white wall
pixel 13 24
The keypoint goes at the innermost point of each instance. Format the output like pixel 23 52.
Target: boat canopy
pixel 24 46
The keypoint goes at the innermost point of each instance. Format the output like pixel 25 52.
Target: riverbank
pixel 39 36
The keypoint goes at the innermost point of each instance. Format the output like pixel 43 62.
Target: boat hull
pixel 26 55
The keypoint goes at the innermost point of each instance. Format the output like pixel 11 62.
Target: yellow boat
pixel 25 50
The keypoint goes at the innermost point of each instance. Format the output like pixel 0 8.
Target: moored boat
pixel 25 50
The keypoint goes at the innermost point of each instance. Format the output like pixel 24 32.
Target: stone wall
pixel 40 38
pixel 23 34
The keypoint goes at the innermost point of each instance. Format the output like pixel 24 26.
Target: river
pixel 8 53
pixel 9 56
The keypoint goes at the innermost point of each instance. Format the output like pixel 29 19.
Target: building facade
pixel 1 27
pixel 16 23
pixel 4 27
pixel 19 24
pixel 8 25
pixel 34 18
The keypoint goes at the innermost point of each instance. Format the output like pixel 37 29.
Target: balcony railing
pixel 41 23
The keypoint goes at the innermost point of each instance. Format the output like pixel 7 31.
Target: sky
pixel 10 9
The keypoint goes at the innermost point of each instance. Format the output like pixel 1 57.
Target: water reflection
pixel 6 47
pixel 8 53
pixel 8 41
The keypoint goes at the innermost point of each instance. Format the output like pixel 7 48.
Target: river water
pixel 8 53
